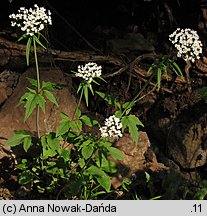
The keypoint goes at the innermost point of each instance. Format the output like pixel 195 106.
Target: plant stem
pixel 73 116
pixel 78 105
pixel 38 87
pixel 134 100
pixel 187 68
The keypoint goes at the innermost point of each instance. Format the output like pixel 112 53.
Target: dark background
pixel 86 15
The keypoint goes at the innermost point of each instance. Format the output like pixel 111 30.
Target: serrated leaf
pixel 41 101
pixel 64 116
pixel 116 153
pixel 16 139
pixel 48 85
pixel 86 120
pixel 131 122
pixel 87 151
pixel 136 120
pixel 50 97
pixel 63 128
pixel 23 99
pixel 27 143
pixel 30 105
pixel 32 81
pixel 102 178
pixel 109 99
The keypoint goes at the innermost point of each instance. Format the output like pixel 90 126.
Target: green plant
pixel 161 66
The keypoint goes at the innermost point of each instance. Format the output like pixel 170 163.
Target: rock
pixel 185 144
pixel 137 157
pixel 12 117
pixel 8 81
pixel 3 95
pixel 132 42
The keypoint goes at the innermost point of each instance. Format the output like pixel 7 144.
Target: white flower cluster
pixel 112 127
pixel 187 43
pixel 90 71
pixel 31 20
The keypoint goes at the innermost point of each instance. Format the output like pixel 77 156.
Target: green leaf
pixel 23 99
pixel 28 49
pixel 109 99
pixel 30 105
pixel 105 164
pixel 131 122
pixel 86 120
pixel 102 178
pixel 47 151
pixel 64 116
pixel 21 132
pixel 41 101
pixel 27 143
pixel 25 177
pixel 116 153
pixel 43 36
pixel 78 112
pixel 22 37
pixel 79 125
pixel 49 85
pixel 201 194
pixel 65 154
pixel 159 77
pixel 38 41
pixel 85 90
pixel 53 143
pixel 50 97
pixel 177 68
pixel 32 90
pixel 63 128
pixel 151 67
pixel 87 151
pixel 118 114
pixel 16 139
pixel 81 163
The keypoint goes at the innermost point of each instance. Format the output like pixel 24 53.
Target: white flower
pixel 31 20
pixel 112 127
pixel 89 71
pixel 187 43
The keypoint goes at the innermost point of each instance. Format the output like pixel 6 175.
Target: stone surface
pixel 12 117
pixel 131 42
pixel 8 81
pixel 137 157
pixel 185 144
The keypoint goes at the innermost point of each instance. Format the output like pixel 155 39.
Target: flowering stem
pixel 134 100
pixel 78 105
pixel 187 68
pixel 38 87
